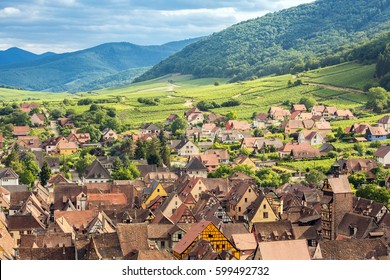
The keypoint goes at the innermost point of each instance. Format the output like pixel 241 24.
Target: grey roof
pixel 96 170
pixel 195 164
pixel 16 188
pixel 8 173
pixel 362 224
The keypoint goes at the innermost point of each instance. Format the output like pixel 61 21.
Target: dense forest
pixel 292 40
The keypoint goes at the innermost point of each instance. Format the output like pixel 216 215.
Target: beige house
pixel 187 148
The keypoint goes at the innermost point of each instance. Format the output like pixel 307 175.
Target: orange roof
pixel 111 198
pixel 67 145
pixel 191 236
pixel 77 219
pixel 21 129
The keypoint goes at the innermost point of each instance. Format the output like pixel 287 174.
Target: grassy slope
pixel 177 93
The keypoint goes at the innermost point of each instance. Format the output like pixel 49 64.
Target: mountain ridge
pixel 73 71
pixel 274 43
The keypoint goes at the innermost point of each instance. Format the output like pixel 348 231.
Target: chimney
pixel 63 249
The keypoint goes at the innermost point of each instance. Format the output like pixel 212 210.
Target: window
pixel 246 200
pixel 239 209
pixel 179 236
pixel 265 206
pixel 162 244
pixel 223 246
pixel 265 215
pixel 210 236
pixel 158 190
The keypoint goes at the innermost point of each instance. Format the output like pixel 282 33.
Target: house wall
pixel 174 203
pixel 158 191
pixel 9 182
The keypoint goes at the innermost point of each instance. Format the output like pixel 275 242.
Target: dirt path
pixel 189 103
pixel 336 88
pixel 54 128
pixel 167 88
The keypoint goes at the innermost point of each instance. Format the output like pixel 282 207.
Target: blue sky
pixel 69 25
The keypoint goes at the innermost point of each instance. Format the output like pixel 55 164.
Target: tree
pixel 140 150
pixel 44 174
pixel 117 165
pixel 55 114
pixel 269 178
pixel 378 99
pixel 375 193
pixel 357 179
pixel 178 124
pixel 232 115
pixel 166 155
pixel 315 178
pixel 83 163
pixel 308 101
pixel 27 178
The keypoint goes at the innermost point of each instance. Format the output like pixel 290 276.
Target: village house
pixel 298 108
pixel 109 136
pixel 96 173
pixel 66 148
pixel 238 200
pixel 222 155
pixel 237 125
pixel 150 193
pixel 382 155
pixel 277 113
pixel 37 119
pixel 259 211
pixel 358 128
pixel 194 116
pixel 187 148
pixel 8 177
pixel 195 168
pixel 21 131
pixel 245 243
pixel 259 144
pixel 261 120
pixel 385 123
pixel 353 165
pixel 171 118
pixel 301 116
pixel 344 115
pixel 299 151
pixel 209 131
pixel 204 230
pixel 244 160
pixel 28 107
pixel 318 110
pixel 310 136
pixel 292 126
pixel 329 112
pixel 31 143
pixel 215 118
pixel 66 122
pixel 376 133
pixel 150 129
pixel 232 136
pixel 210 161
pixel 79 138
pixel 324 128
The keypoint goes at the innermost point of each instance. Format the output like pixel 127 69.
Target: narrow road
pixel 335 87
pixel 54 128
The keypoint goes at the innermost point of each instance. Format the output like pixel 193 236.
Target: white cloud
pixel 9 12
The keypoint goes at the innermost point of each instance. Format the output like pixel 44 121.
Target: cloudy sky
pixel 68 25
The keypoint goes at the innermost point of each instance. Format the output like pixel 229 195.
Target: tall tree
pixel 44 174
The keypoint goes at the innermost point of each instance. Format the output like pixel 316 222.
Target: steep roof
pixel 96 170
pixel 24 222
pixel 340 184
pixel 244 241
pixel 195 164
pixel 8 173
pixel 190 237
pixel 133 237
pixel 362 225
pixel 382 151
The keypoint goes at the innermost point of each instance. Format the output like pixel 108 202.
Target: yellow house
pixel 259 211
pixel 204 230
pixel 67 148
pixel 193 186
pixel 244 160
pixel 150 193
pixel 239 199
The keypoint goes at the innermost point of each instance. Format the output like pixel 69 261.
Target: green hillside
pixel 292 40
pixel 110 64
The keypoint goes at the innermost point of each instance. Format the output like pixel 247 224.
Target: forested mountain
pixel 16 55
pixel 291 40
pixel 88 69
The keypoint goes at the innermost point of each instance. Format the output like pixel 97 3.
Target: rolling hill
pixel 291 40
pixel 82 70
pixel 16 55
